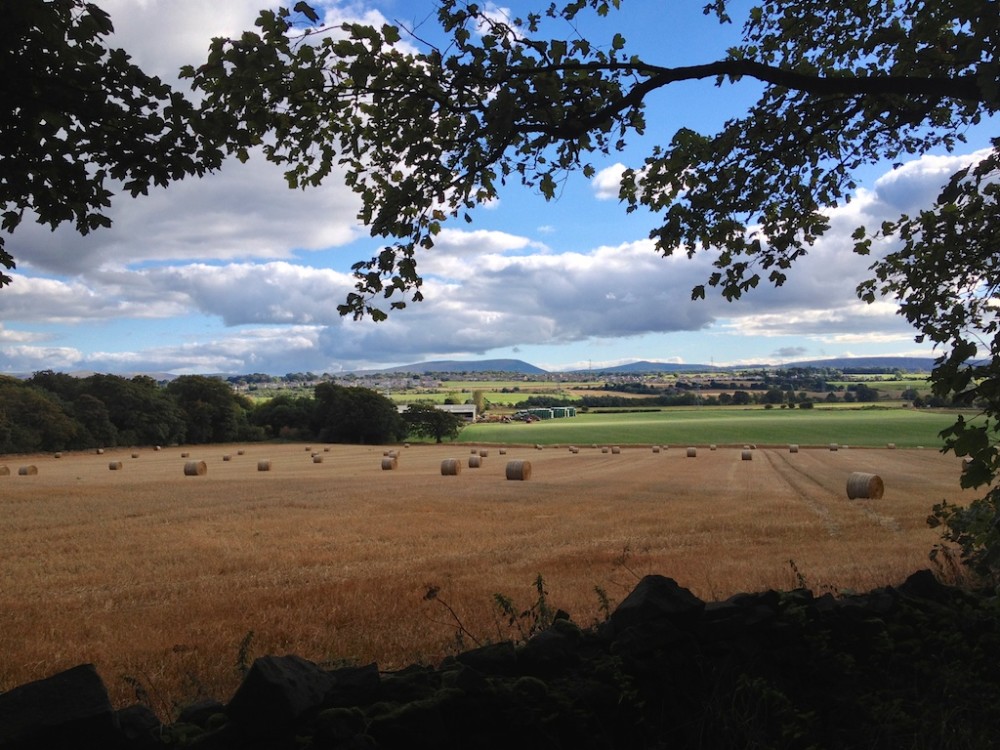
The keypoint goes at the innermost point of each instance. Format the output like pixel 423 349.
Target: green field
pixel 707 425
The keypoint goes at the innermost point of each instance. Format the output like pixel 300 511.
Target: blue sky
pixel 236 273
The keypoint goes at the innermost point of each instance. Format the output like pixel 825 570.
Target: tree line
pixel 53 411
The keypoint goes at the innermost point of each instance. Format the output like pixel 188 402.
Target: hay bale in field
pixel 615 449
pixel 389 463
pixel 604 450
pixel 308 448
pixel 474 452
pixel 406 445
pixel 475 461
pixel 135 455
pixel 4 471
pixel 503 451
pixel 100 451
pixel 185 455
pixel 538 447
pixel 28 471
pixel 227 457
pixel 263 465
pixel 866 486
pixel 326 450
pixel 574 450
pixel 834 447
pixel 451 467
pixel 195 469
pixel 712 447
pixel 520 470
pixel 483 453
pixel 317 458
pixel 656 449
pixel 156 447
pixel 115 466
pixel 692 452
pixel 57 455
pixel 891 446
pixel 793 448
pixel 746 456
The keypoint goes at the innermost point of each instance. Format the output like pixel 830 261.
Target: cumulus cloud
pixel 607 182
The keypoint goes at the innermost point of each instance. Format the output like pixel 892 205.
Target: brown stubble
pixel 157 578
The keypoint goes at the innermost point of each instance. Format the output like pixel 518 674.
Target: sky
pixel 236 273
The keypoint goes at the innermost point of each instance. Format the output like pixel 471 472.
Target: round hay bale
pixel 135 455
pixel 264 465
pixel 475 461
pixel 834 446
pixel 520 470
pixel 503 451
pixel 474 452
pixel 317 458
pixel 57 455
pixel 195 469
pixel 483 453
pixel 746 456
pixel 793 448
pixel 115 466
pixel 891 446
pixel 538 447
pixel 451 467
pixel 692 452
pixel 227 457
pixel 156 447
pixel 865 486
pixel 389 463
pixel 712 447
pixel 326 450
pixel 185 455
pixel 406 445
pixel 308 448
pixel 4 471
pixel 240 452
pixel 100 451
pixel 615 449
pixel 28 471
pixel 574 450
pixel 604 450
pixel 656 449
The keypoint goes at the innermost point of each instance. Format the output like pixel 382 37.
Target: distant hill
pixel 908 364
pixel 478 365
pixel 644 366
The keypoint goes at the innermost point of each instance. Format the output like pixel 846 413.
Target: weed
pixel 461 632
pixel 243 654
pixel 534 619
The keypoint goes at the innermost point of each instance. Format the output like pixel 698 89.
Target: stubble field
pixel 169 582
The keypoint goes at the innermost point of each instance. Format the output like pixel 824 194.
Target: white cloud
pixel 607 182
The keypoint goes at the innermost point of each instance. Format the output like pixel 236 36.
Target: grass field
pixel 169 582
pixel 676 426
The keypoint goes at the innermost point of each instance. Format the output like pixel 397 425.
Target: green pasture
pixel 707 425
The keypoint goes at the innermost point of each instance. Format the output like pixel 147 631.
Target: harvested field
pixel 157 577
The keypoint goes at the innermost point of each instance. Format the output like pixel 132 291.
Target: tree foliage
pixel 427 420
pixel 355 415
pixel 425 136
pixel 80 120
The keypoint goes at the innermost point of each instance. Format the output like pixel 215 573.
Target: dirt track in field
pixel 157 577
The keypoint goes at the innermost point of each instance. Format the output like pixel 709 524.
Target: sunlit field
pixel 854 426
pixel 158 578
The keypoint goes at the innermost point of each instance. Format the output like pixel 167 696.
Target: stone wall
pixel 914 666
